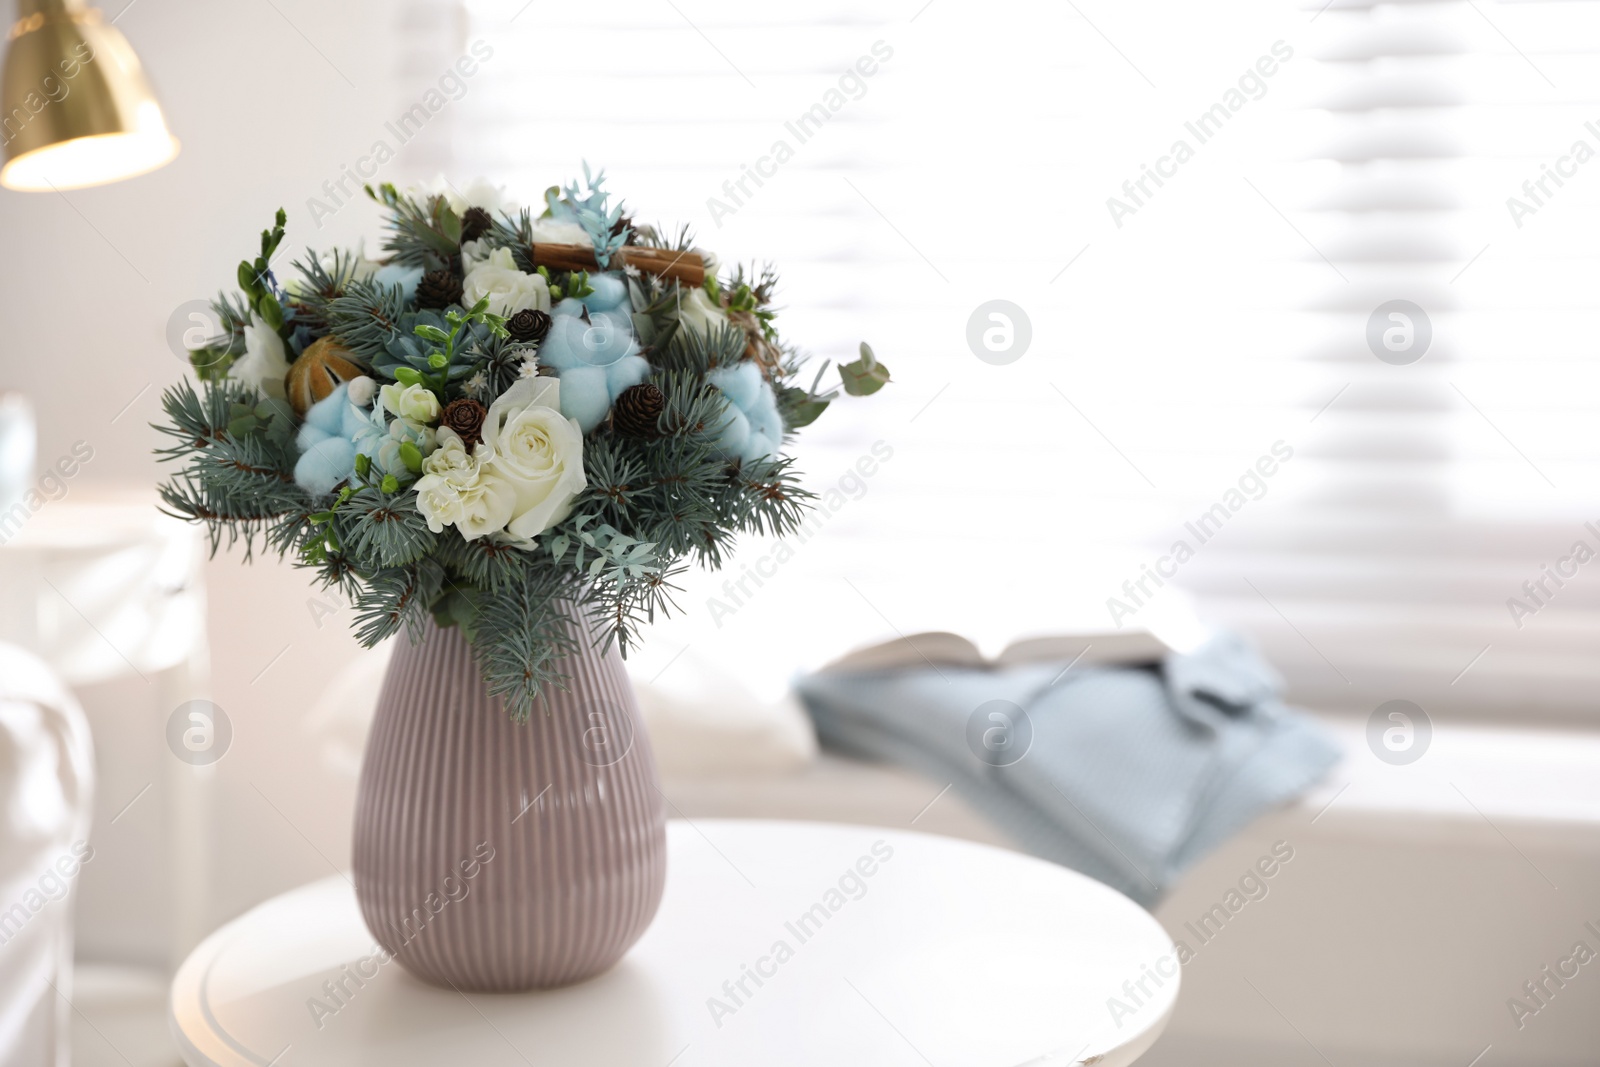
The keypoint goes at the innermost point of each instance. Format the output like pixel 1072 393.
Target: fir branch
pixel 366 317
pixel 523 632
pixel 396 597
pixel 385 529
pixel 426 235
pixel 484 564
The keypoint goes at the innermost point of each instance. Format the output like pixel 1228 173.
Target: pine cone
pixel 528 326
pixel 638 410
pixel 475 223
pixel 465 417
pixel 438 289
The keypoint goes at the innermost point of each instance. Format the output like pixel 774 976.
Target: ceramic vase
pixel 497 856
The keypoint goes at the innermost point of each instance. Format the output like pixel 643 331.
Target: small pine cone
pixel 638 410
pixel 528 326
pixel 438 289
pixel 465 417
pixel 475 223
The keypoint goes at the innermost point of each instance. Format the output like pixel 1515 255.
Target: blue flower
pixel 595 359
pixel 753 429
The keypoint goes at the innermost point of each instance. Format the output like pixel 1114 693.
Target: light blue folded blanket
pixel 1126 774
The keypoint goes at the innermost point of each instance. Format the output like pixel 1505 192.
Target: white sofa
pixel 46 776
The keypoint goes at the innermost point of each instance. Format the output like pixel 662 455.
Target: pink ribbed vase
pixel 499 856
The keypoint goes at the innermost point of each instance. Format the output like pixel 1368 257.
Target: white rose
pixel 263 365
pixel 414 402
pixel 509 290
pixel 475 252
pixel 696 310
pixel 458 489
pixel 537 452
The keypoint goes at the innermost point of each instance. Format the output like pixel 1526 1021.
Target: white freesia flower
pixel 458 488
pixel 537 452
pixel 414 402
pixel 403 431
pixel 509 290
pixel 263 365
pixel 479 192
pixel 558 232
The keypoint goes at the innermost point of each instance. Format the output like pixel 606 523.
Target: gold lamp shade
pixel 75 108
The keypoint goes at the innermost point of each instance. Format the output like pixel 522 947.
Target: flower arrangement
pixel 509 419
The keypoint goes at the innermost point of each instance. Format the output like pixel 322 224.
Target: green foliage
pixel 426 235
pixel 866 375
pixel 256 281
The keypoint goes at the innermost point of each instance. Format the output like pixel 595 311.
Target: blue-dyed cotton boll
pixel 610 293
pixel 584 396
pixel 325 464
pixel 405 277
pixel 576 349
pixel 327 453
pixel 754 429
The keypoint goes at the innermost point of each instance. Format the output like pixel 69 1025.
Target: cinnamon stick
pixel 686 268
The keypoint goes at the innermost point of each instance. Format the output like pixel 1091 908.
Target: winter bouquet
pixel 513 418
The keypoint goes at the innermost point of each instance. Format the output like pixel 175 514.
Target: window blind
pixel 1198 316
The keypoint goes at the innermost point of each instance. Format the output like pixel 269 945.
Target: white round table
pixel 779 944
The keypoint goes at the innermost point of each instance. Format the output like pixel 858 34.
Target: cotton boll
pixel 585 396
pixel 406 278
pixel 324 419
pixel 754 430
pixel 324 465
pixel 610 293
pixel 626 373
pixel 354 421
pixel 741 383
pixel 735 434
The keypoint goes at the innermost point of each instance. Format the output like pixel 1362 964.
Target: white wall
pixel 88 280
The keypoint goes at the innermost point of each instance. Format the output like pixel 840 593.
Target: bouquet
pixel 512 421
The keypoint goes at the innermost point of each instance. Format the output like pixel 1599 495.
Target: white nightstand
pixel 947 952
